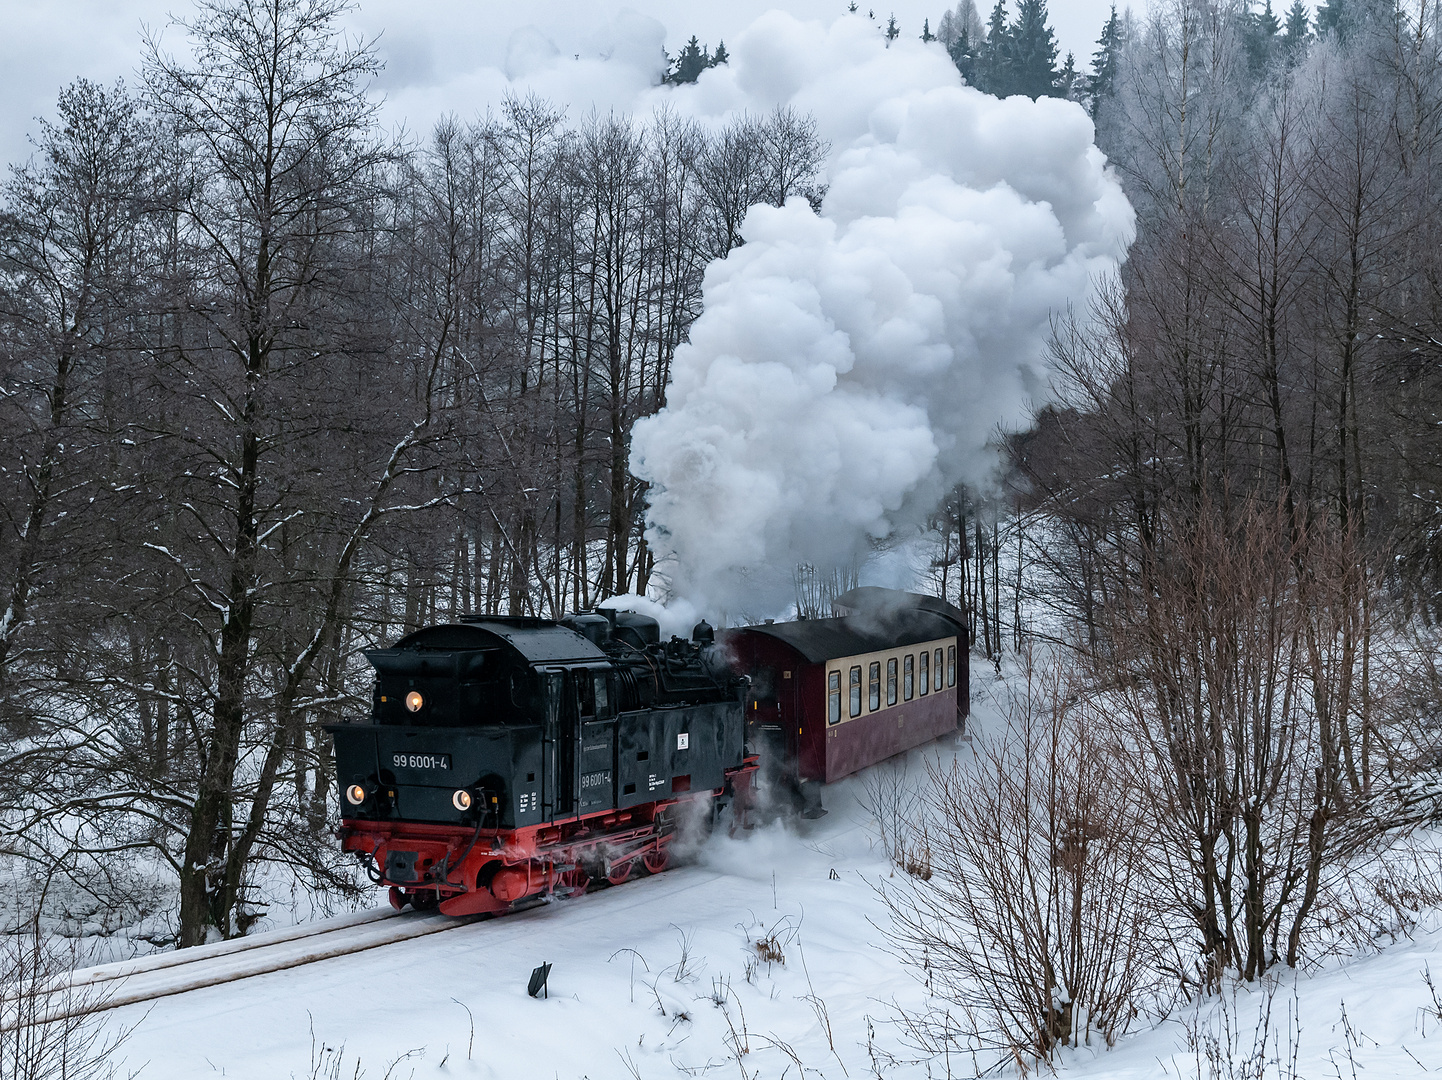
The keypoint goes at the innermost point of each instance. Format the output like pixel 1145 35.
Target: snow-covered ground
pixel 662 977
pixel 638 974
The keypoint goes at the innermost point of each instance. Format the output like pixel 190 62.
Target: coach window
pixel 891 681
pixel 874 687
pixel 833 697
pixel 951 665
pixel 937 671
pixel 856 691
pixel 908 677
pixel 925 679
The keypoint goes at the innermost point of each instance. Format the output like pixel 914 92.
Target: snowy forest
pixel 277 386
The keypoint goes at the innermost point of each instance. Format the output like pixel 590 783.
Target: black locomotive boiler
pixel 509 758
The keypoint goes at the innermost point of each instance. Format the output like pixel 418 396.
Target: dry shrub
pixel 769 950
pixel 892 796
pixel 770 945
pixel 1224 1043
pixel 1273 717
pixel 50 1029
pixel 1030 929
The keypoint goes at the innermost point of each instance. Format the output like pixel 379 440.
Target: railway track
pixel 148 978
pixel 128 982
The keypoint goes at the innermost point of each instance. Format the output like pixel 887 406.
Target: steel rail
pixel 111 986
pixel 100 989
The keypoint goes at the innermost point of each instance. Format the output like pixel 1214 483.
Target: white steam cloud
pixel 850 368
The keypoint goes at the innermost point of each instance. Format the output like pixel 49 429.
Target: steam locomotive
pixel 507 758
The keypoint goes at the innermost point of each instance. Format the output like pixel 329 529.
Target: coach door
pixel 770 709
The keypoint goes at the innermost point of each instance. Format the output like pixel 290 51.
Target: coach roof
pixel 828 639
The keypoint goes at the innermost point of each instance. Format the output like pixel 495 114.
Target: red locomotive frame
pixel 490 871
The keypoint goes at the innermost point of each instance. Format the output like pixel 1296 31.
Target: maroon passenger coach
pixel 831 696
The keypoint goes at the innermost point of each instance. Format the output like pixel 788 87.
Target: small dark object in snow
pixel 834 875
pixel 538 981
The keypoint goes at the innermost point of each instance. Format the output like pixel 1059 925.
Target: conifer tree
pixel 1033 51
pixel 1333 17
pixel 1103 82
pixel 963 55
pixel 693 60
pixel 993 57
pixel 721 56
pixel 892 31
pixel 926 34
pixel 1068 80
pixel 1297 32
pixel 1261 31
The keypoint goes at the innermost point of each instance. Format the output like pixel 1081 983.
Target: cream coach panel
pixel 848 700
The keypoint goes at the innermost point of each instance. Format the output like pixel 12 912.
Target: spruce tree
pixel 721 56
pixel 1260 36
pixel 963 55
pixel 1068 81
pixel 1033 51
pixel 892 31
pixel 1296 33
pixel 1333 17
pixel 926 34
pixel 689 65
pixel 1105 61
pixel 993 58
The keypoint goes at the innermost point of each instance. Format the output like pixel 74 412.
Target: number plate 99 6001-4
pixel 421 761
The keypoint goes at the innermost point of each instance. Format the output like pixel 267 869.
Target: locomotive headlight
pixel 355 794
pixel 461 800
pixel 414 701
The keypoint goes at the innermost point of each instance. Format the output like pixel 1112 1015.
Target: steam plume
pixel 850 368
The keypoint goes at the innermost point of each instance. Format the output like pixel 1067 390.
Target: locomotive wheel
pixel 622 873
pixel 656 860
pixel 573 882
pixel 424 900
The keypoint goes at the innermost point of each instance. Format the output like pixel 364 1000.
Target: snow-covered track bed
pixel 127 982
